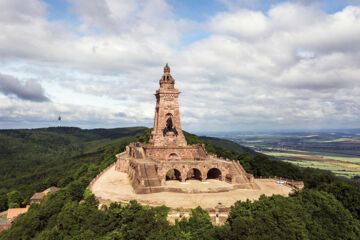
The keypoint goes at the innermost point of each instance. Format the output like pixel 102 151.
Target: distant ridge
pixel 227 144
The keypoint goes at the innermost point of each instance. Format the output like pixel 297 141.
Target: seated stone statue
pixel 169 127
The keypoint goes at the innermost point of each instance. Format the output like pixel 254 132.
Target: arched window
pixel 228 178
pixel 194 174
pixel 173 174
pixel 173 157
pixel 214 173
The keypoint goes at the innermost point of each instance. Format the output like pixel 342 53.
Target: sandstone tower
pixel 167 126
pixel 167 155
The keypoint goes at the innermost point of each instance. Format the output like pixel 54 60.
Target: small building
pixel 50 190
pixel 13 213
pixel 37 197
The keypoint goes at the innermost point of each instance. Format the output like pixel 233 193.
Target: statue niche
pixel 169 127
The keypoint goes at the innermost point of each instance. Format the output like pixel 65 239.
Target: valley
pixel 337 151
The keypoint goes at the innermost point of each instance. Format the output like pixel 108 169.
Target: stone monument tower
pixel 167 155
pixel 167 126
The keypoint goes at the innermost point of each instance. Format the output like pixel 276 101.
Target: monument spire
pixel 166 68
pixel 167 126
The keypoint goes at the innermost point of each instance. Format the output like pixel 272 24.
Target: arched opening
pixel 214 173
pixel 173 174
pixel 173 157
pixel 228 178
pixel 194 174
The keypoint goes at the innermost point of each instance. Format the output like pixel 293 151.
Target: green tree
pixel 90 199
pixel 14 199
pixel 144 137
pixel 198 226
pixel 3 201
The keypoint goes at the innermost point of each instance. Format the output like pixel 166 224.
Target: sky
pixel 241 65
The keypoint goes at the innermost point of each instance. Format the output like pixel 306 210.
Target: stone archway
pixel 194 174
pixel 228 178
pixel 214 173
pixel 173 157
pixel 173 174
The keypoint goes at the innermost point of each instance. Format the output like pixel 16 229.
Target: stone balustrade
pixel 297 185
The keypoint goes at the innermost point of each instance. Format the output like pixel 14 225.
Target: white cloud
pixel 243 24
pixel 18 11
pixel 294 66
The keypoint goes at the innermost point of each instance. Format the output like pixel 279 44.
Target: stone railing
pixel 99 175
pixel 297 185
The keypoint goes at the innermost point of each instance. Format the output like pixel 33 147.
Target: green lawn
pixel 338 170
pixel 342 159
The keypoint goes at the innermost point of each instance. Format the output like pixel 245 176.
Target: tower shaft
pixel 167 125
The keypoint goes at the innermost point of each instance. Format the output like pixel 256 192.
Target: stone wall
pixel 149 176
pixel 5 226
pixel 218 215
pixel 203 166
pixel 296 185
pixel 194 152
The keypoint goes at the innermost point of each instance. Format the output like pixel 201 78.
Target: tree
pixel 14 199
pixel 3 201
pixel 198 226
pixel 90 199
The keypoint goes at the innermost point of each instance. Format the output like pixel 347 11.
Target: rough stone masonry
pixel 167 155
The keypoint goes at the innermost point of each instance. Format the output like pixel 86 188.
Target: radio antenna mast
pixel 59 119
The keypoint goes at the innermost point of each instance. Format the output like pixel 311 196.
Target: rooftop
pixel 37 196
pixel 15 212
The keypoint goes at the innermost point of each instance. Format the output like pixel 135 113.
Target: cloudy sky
pixel 240 64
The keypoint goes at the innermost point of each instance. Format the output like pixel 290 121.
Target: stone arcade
pixel 167 155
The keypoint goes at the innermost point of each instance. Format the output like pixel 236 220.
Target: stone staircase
pixel 149 175
pixel 238 171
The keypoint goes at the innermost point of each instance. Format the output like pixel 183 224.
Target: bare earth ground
pixel 115 186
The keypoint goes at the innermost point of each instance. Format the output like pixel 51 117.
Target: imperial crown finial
pixel 166 68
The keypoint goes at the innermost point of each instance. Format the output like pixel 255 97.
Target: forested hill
pixel 69 158
pixel 230 145
pixel 32 160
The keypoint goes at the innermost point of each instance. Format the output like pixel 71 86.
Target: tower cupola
pixel 167 80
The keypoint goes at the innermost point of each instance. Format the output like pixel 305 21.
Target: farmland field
pixel 337 151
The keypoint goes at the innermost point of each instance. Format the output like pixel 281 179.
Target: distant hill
pixel 34 159
pixel 233 146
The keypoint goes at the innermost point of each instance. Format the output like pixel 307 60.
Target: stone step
pixel 240 171
pixel 149 175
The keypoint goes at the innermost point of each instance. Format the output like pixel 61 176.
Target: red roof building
pixel 13 213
